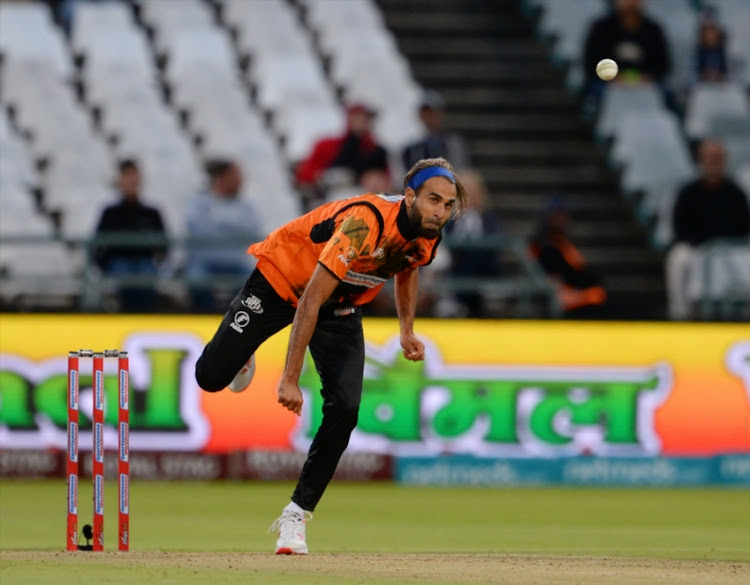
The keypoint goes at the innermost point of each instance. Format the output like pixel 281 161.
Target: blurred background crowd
pixel 144 144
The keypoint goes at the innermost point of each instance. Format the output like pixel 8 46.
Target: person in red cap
pixel 337 161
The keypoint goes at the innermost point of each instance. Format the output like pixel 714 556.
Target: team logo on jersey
pixel 253 303
pixel 379 253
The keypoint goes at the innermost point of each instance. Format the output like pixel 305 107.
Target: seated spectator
pixel 131 217
pixel 340 161
pixel 579 289
pixel 219 214
pixel 467 257
pixel 632 39
pixel 372 181
pixel 708 208
pixel 437 142
pixel 711 54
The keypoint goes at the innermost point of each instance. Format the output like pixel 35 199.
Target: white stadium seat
pixel 195 50
pixel 621 100
pixel 266 28
pixel 169 18
pixel 27 35
pixel 281 77
pixel 720 273
pixel 303 126
pixel 91 18
pixel 568 21
pixel 655 155
pixel 708 101
pixel 331 15
pixel 679 21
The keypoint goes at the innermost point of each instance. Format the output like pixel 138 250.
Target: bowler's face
pixel 431 209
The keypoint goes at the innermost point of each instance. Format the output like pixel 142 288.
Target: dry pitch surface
pixel 362 568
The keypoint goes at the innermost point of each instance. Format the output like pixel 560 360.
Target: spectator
pixel 632 39
pixel 468 258
pixel 340 161
pixel 708 208
pixel 130 217
pixel 219 213
pixel 437 142
pixel 711 55
pixel 579 289
pixel 372 181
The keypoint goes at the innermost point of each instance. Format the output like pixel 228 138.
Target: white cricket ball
pixel 606 69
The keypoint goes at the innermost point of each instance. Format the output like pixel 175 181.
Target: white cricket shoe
pixel 243 378
pixel 291 527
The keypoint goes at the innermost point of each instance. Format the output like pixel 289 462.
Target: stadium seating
pixel 679 21
pixel 366 66
pixel 720 279
pixel 167 18
pixel 564 24
pixel 709 101
pixel 743 178
pixel 618 101
pixel 274 40
pixel 734 17
pixel 28 35
pixel 265 28
pixel 16 165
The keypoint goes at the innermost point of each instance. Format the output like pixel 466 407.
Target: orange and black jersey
pixel 362 241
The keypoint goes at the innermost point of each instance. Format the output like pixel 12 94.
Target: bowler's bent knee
pixel 208 380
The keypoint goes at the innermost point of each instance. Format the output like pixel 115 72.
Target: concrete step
pixel 528 205
pixel 646 287
pixel 489 7
pixel 449 23
pixel 472 74
pixel 472 48
pixel 604 230
pixel 529 148
pixel 544 174
pixel 493 98
pixel 537 152
pixel 548 124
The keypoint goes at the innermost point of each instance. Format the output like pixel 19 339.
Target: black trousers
pixel 338 350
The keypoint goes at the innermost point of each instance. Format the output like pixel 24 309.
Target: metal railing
pixel 723 280
pixel 87 288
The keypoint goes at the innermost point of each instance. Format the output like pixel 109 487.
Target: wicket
pixel 123 448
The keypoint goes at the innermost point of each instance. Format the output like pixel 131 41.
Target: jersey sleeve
pixel 356 237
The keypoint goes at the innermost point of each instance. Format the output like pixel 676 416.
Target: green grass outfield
pixel 191 533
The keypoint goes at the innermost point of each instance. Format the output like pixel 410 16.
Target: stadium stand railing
pixel 79 285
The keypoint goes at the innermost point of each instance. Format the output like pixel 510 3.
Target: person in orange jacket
pixel 579 288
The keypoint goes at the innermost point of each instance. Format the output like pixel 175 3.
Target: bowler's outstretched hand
pixel 290 396
pixel 413 348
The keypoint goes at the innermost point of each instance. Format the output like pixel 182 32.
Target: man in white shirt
pixel 218 220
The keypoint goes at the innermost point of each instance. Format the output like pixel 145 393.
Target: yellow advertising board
pixel 495 388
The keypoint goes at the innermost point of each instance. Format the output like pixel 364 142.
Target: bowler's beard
pixel 415 221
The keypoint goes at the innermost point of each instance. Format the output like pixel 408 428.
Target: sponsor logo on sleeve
pixel 253 303
pixel 241 319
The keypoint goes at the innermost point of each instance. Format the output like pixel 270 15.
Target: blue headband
pixel 418 180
